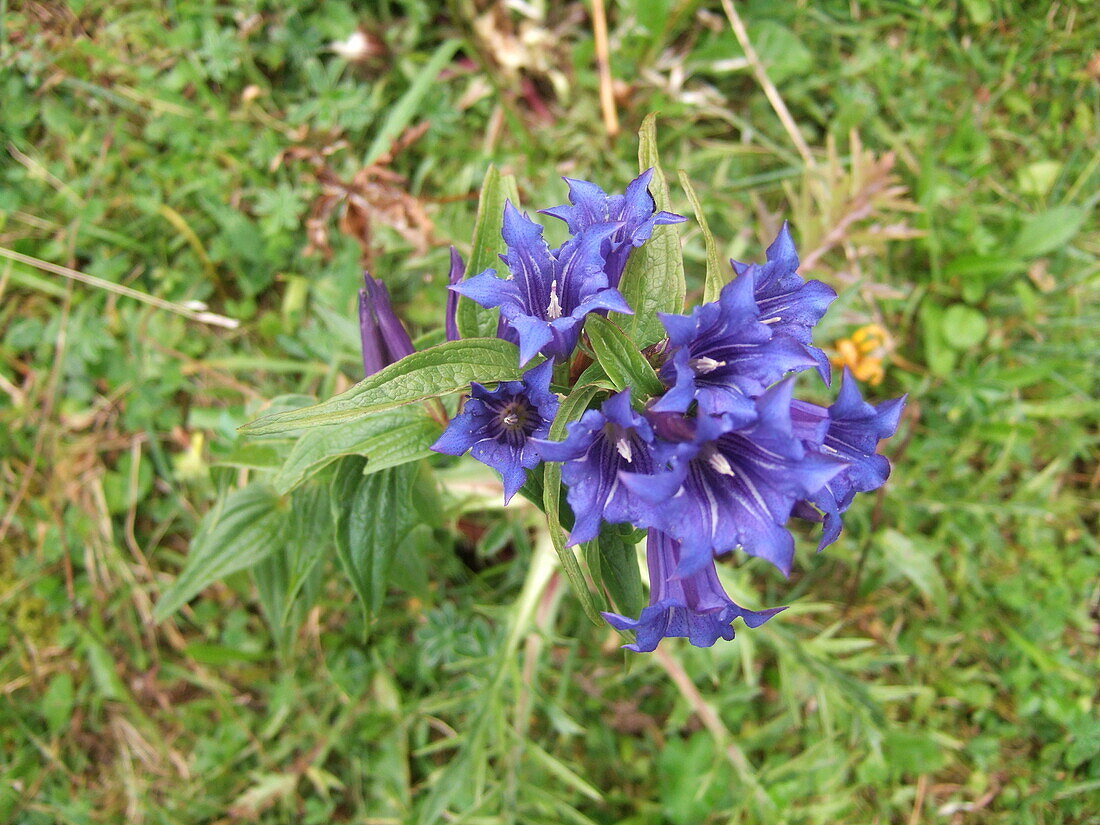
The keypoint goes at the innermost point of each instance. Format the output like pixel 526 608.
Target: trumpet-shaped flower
pixel 850 430
pixel 600 445
pixel 385 339
pixel 498 426
pixel 545 299
pixel 735 484
pixel 458 267
pixel 635 211
pixel 790 305
pixel 694 605
pixel 724 355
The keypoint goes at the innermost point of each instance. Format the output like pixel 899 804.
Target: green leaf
pixel 374 514
pixel 784 54
pixel 717 274
pixel 388 439
pixel 473 320
pixel 654 278
pixel 687 781
pixel 256 455
pixel 1085 744
pixel 619 571
pixel 963 326
pixel 239 533
pixel 1050 230
pixel 938 353
pixel 561 771
pixel 287 580
pixel 101 665
pixel 441 370
pixel 969 266
pixel 208 653
pixel 913 753
pixel 1038 178
pixel 594 374
pixel 652 15
pixel 402 113
pixel 454 777
pixel 621 360
pixel 268 789
pixel 570 410
pixel 916 563
pixel 979 11
pixel 978 274
pixel 56 704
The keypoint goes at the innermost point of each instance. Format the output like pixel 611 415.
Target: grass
pixel 939 664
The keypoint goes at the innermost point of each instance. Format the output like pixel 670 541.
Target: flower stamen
pixel 553 309
pixel 719 462
pixel 623 447
pixel 705 365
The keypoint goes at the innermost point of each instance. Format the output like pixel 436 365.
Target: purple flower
pixel 735 485
pixel 790 305
pixel 693 605
pixel 849 430
pixel 497 425
pixel 544 302
pixel 458 267
pixel 724 355
pixel 600 445
pixel 385 339
pixel 635 211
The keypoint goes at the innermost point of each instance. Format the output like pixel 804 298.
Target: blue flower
pixel 635 211
pixel 385 339
pixel 734 484
pixel 724 355
pixel 694 605
pixel 544 302
pixel 600 445
pixel 790 305
pixel 458 267
pixel 497 426
pixel 849 430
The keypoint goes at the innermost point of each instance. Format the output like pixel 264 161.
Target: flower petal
pixel 693 605
pixel 458 267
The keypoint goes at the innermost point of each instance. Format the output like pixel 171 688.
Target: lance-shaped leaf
pixel 386 439
pixel 717 274
pixel 289 580
pixel 440 370
pixel 240 532
pixel 621 359
pixel 571 409
pixel 654 277
pixel 488 244
pixel 613 560
pixel 373 514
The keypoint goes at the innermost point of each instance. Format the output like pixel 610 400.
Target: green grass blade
pixel 402 113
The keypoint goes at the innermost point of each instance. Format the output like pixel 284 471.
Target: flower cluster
pixel 722 459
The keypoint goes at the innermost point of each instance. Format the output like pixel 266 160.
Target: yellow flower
pixel 863 353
